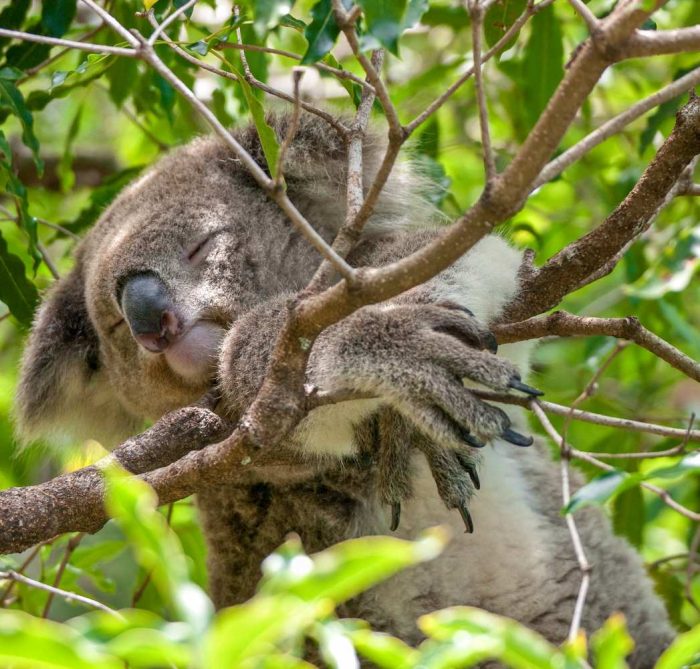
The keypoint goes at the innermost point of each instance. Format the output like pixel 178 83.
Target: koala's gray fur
pixel 199 232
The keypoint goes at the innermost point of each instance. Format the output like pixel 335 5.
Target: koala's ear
pixel 63 391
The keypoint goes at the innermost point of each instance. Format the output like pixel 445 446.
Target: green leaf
pixel 346 569
pixel 100 198
pixel 384 650
pixel 56 17
pixel 542 67
pixel 254 628
pixel 12 17
pixel 476 635
pixel 600 489
pixel 688 464
pixel 268 14
pixel 414 13
pixel 321 33
pixel 133 504
pixel 64 168
pixel 385 21
pixel 121 76
pixel 289 21
pixel 26 641
pixel 16 290
pixel 354 90
pixel 14 187
pixel 500 17
pixel 611 644
pixel 684 651
pixel 11 97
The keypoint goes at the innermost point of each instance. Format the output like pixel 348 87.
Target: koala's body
pixel 183 283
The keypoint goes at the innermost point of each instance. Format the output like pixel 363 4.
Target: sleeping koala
pixel 183 283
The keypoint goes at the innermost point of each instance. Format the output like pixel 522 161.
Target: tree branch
pixel 564 324
pixel 596 253
pixel 660 42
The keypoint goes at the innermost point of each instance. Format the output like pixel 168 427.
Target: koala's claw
pixel 469 439
pixel 395 516
pixel 491 343
pixel 471 471
pixel 466 517
pixel 517 384
pixel 516 438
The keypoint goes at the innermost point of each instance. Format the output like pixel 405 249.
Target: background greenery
pixel 91 123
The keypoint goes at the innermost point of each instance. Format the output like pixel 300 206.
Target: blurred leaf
pixel 64 169
pixel 628 515
pixel 133 504
pixel 254 628
pixel 16 290
pixel 542 67
pixel 479 635
pixel 336 649
pixel 688 464
pixel 121 76
pixel 385 22
pixel 355 90
pixel 384 650
pixel 288 21
pixel 56 17
pixel 346 569
pixel 321 33
pixel 100 198
pixel 268 13
pixel 11 18
pixel 600 489
pixel 12 98
pixel 684 651
pixel 499 18
pixel 414 13
pixel 26 641
pixel 611 644
pixel 90 69
pixel 455 16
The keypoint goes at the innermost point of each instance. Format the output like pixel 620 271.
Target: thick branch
pixel 596 253
pixel 73 502
pixel 563 324
pixel 660 42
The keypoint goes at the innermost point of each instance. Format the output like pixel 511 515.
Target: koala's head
pixel 134 330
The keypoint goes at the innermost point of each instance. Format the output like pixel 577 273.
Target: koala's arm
pixel 412 352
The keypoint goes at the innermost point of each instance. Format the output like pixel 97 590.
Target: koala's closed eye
pixel 198 251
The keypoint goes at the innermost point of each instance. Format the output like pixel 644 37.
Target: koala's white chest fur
pixel 507 547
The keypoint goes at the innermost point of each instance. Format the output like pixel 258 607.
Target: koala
pixel 181 286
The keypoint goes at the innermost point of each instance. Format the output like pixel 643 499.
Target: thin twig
pixel 555 167
pixel 27 561
pixel 477 16
pixel 586 14
pixel 336 72
pixel 530 11
pixel 47 260
pixel 113 23
pixel 584 565
pixel 297 74
pixel 20 578
pixel 564 324
pixel 147 579
pixel 72 544
pixel 168 21
pixel 69 44
pixel 691 568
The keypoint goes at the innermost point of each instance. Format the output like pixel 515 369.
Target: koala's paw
pixel 416 357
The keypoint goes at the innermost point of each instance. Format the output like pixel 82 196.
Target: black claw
pixel 471 470
pixel 491 343
pixel 516 438
pixel 466 517
pixel 469 439
pixel 395 516
pixel 523 387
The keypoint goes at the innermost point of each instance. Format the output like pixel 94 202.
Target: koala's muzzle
pixel 149 311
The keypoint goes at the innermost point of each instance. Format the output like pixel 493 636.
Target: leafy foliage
pixel 95 121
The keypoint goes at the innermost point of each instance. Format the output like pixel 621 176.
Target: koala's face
pixel 163 281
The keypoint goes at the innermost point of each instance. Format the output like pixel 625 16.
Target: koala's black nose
pixel 149 311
